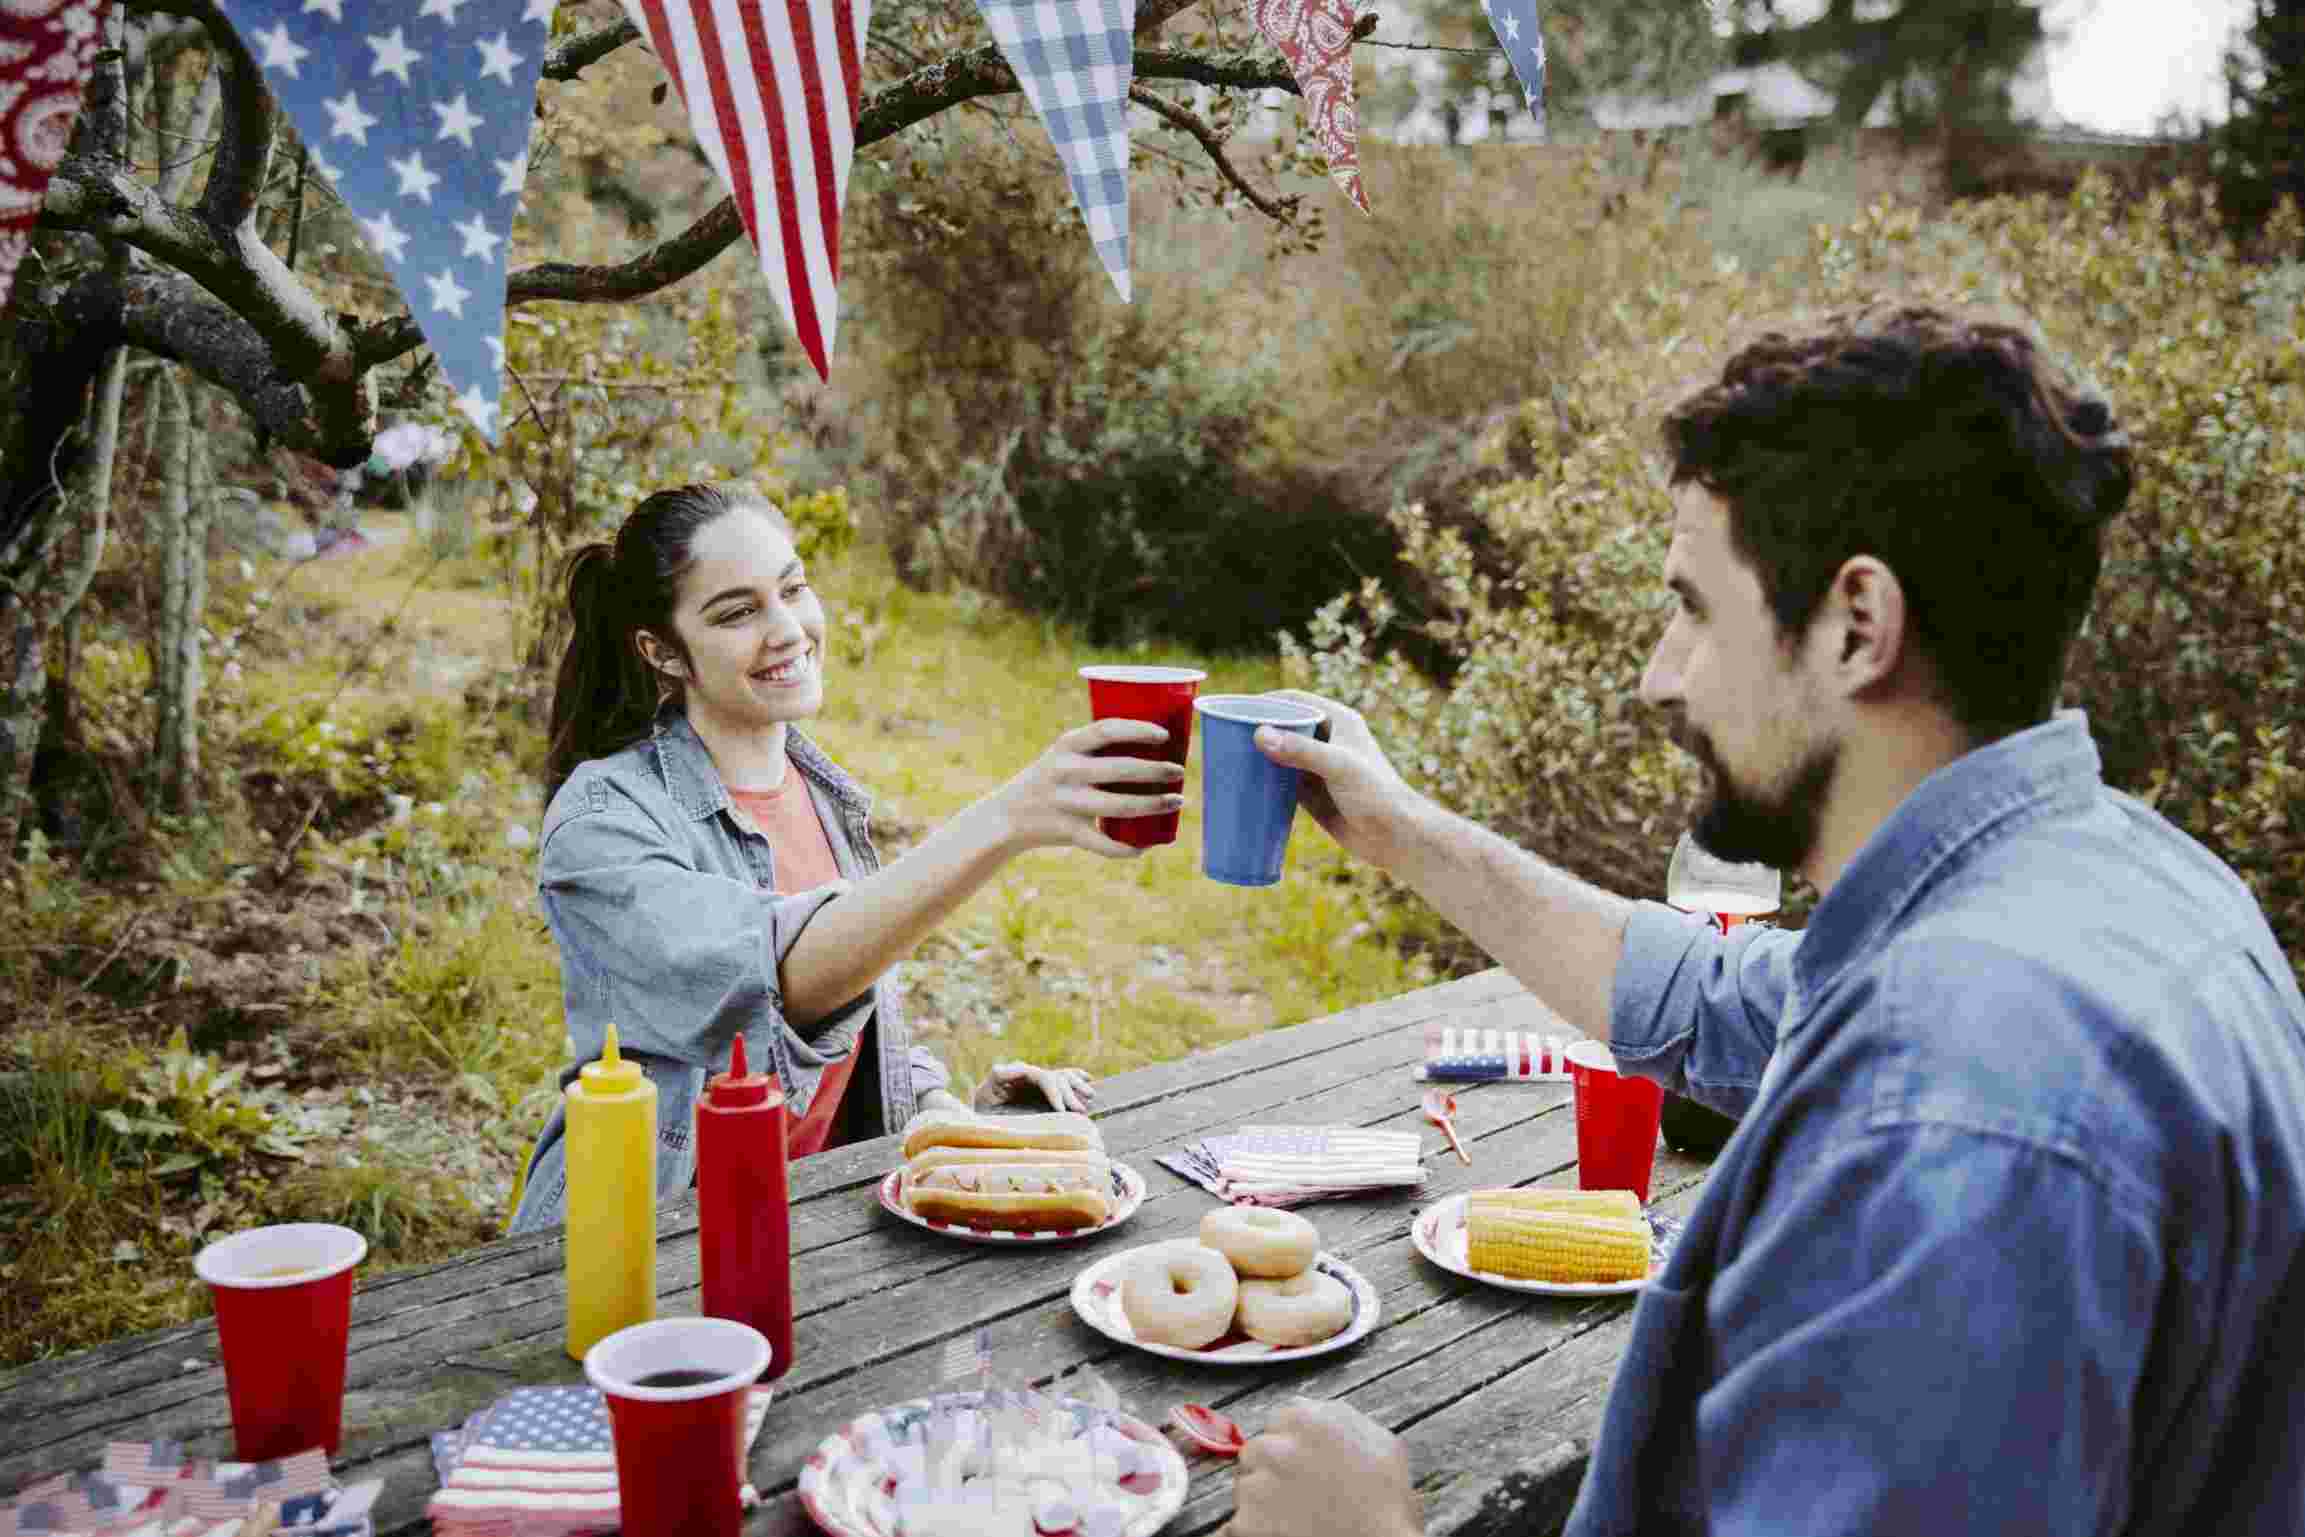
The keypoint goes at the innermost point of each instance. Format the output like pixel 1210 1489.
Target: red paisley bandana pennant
pixel 45 50
pixel 1316 37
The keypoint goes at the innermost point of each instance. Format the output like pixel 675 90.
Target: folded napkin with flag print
pixel 539 1462
pixel 155 1489
pixel 1289 1165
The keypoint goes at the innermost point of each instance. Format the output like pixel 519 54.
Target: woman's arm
pixel 881 919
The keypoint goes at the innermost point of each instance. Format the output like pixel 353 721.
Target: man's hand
pixel 1350 787
pixel 1321 1469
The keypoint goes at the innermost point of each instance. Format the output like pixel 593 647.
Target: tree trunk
pixel 39 587
pixel 176 672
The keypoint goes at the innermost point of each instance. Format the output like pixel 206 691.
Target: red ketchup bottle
pixel 744 1216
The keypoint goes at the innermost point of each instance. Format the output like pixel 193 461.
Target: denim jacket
pixel 2011 1237
pixel 660 893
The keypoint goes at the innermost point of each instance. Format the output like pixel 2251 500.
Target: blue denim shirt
pixel 2008 1240
pixel 661 894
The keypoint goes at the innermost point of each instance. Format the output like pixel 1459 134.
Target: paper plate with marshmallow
pixel 1030 1466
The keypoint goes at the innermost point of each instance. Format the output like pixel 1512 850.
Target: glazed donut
pixel 1262 1243
pixel 1302 1310
pixel 1179 1293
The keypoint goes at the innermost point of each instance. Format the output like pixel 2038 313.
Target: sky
pixel 2125 64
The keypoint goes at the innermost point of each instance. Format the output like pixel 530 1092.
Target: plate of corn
pixel 1557 1243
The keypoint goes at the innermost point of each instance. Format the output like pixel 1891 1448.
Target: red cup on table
pixel 1617 1120
pixel 676 1391
pixel 283 1299
pixel 1164 696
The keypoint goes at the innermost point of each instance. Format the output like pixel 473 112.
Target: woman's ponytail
pixel 604 695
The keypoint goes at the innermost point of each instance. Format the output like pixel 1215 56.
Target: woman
pixel 706 870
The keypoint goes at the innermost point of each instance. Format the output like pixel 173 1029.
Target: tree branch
pixel 571 58
pixel 1280 211
pixel 244 153
pixel 924 93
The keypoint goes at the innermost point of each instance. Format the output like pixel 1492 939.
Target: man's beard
pixel 1777 825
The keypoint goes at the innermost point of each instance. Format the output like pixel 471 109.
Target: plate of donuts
pixel 1002 1179
pixel 1252 1288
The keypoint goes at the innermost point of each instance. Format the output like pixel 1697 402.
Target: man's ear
pixel 1863 624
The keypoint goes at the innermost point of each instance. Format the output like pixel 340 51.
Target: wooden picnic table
pixel 1498 1393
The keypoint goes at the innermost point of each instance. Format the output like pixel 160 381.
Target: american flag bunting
pixel 1074 60
pixel 772 88
pixel 419 115
pixel 1515 23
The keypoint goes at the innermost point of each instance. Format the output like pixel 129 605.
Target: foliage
pixel 2192 667
pixel 1593 49
pixel 2261 146
pixel 186 1110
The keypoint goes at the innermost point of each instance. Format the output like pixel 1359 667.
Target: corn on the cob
pixel 1561 1247
pixel 1587 1203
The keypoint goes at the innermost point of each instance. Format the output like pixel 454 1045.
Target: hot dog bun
pixel 977 1157
pixel 1053 1130
pixel 1015 1213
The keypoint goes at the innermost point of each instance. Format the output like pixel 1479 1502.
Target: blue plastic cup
pixel 1247 800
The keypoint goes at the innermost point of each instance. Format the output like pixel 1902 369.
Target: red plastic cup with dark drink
pixel 1164 696
pixel 283 1312
pixel 1617 1118
pixel 676 1390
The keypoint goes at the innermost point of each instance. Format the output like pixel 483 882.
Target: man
pixel 2009 1238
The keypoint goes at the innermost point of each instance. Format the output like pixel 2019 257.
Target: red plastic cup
pixel 283 1311
pixel 676 1391
pixel 1164 696
pixel 1617 1119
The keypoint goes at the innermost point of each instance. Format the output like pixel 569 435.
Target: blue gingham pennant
pixel 418 112
pixel 1074 61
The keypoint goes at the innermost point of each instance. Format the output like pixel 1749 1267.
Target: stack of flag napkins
pixel 1471 1055
pixel 539 1462
pixel 153 1489
pixel 1289 1165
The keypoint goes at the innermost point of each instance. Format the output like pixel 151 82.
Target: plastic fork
pixel 1441 1110
pixel 1207 1429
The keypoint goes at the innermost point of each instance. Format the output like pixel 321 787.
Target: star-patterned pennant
pixel 1515 23
pixel 1074 60
pixel 771 88
pixel 419 111
pixel 1316 37
pixel 46 47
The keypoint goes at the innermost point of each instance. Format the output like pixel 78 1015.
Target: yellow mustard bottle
pixel 611 1248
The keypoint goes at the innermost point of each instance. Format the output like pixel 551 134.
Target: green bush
pixel 2192 667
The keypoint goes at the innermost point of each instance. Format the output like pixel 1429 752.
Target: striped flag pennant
pixel 1074 60
pixel 419 116
pixel 771 88
pixel 1316 37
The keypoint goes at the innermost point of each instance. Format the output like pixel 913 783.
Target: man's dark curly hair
pixel 1946 447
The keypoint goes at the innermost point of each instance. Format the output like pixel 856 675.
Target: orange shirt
pixel 786 816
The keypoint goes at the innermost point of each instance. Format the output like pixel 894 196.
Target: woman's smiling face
pixel 751 624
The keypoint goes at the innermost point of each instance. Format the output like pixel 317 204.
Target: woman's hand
pixel 1010 1083
pixel 1058 799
